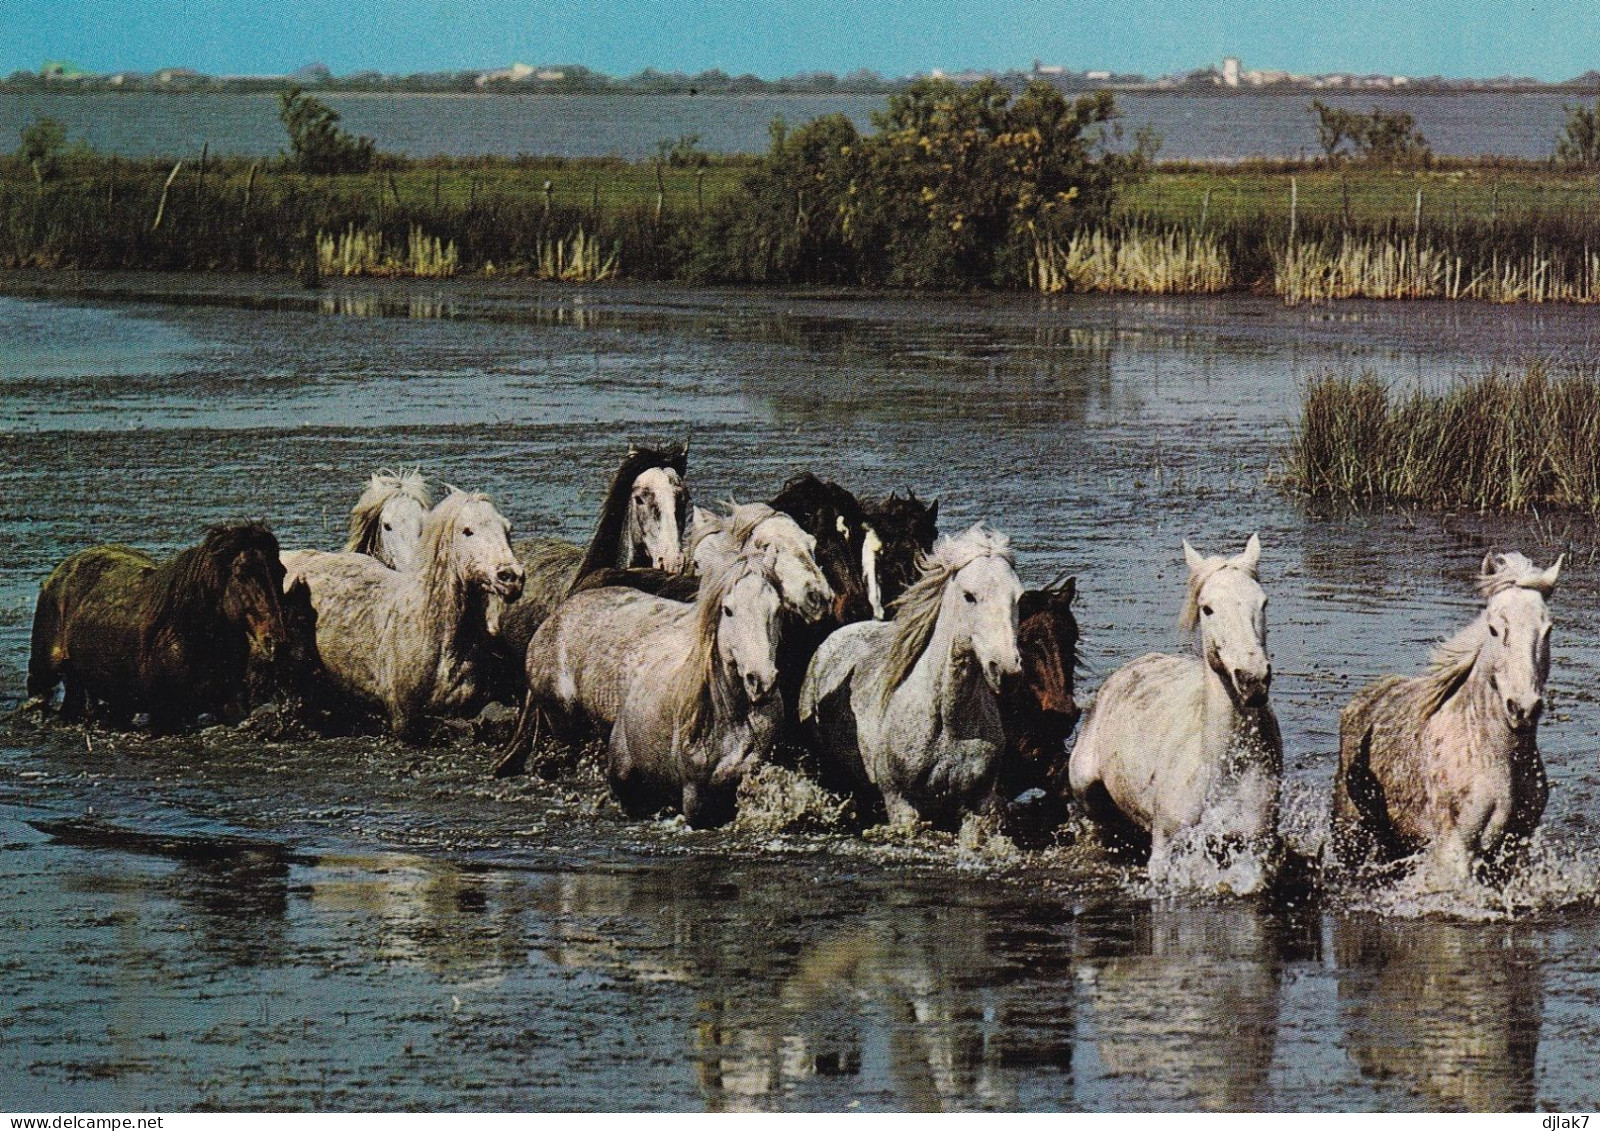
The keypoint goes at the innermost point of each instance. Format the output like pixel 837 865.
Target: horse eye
pixel 386 526
pixel 726 611
pixel 971 599
pixel 1493 631
pixel 468 532
pixel 1206 609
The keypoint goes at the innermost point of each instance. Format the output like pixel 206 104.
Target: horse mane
pixel 916 611
pixel 738 524
pixel 185 592
pixel 366 514
pixel 689 688
pixel 1190 615
pixel 602 550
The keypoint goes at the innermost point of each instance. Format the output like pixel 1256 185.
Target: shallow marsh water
pixel 389 927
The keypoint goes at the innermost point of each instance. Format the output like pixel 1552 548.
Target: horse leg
pixel 74 699
pixel 901 813
pixel 514 756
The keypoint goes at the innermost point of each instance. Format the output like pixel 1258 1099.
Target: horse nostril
pixel 509 576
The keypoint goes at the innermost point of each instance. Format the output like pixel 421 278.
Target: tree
pixel 42 143
pixel 1335 127
pixel 1579 143
pixel 1383 137
pixel 315 139
pixel 952 189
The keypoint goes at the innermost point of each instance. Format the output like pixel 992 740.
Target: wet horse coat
pixel 685 694
pixel 1447 763
pixel 416 643
pixel 909 707
pixel 1188 745
pixel 641 523
pixel 172 640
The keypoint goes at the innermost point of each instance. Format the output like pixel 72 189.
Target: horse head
pixel 252 592
pixel 1047 637
pixel 469 538
pixel 747 630
pixel 791 555
pixel 657 516
pixel 979 604
pixel 1228 606
pixel 1515 655
pixel 834 517
pixel 899 532
pixel 386 521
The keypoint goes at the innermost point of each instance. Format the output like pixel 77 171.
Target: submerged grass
pixel 1502 442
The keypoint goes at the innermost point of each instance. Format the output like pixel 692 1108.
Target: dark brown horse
pixel 1039 712
pixel 906 529
pixel 174 641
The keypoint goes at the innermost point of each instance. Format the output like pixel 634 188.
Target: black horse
pixel 906 529
pixel 125 635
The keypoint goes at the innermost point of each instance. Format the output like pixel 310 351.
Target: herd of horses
pixel 913 672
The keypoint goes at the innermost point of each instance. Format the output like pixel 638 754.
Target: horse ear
pixel 1192 557
pixel 633 449
pixel 1491 564
pixel 933 512
pixel 1068 590
pixel 1251 556
pixel 1546 581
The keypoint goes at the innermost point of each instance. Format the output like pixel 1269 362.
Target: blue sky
pixel 779 37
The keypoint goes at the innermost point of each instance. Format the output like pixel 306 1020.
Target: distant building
pixel 1230 72
pixel 58 70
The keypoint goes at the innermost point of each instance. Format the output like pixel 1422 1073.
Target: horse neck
pixel 936 672
pixel 449 607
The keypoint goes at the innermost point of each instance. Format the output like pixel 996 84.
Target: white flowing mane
pixel 917 609
pixel 1190 616
pixel 689 691
pixel 738 524
pixel 1451 661
pixel 366 515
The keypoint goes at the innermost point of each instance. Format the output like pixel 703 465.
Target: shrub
pixel 316 142
pixel 955 188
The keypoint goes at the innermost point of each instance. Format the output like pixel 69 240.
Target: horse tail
pixel 42 673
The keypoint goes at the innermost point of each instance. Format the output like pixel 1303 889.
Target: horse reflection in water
pixel 1450 1011
pixel 426 913
pixel 929 1005
pixel 1187 1016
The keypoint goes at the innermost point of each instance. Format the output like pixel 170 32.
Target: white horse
pixel 1447 763
pixel 755 528
pixel 910 706
pixel 1187 746
pixel 386 522
pixel 412 643
pixel 688 692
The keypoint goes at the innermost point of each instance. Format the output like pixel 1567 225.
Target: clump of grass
pixel 360 251
pixel 579 259
pixel 1132 261
pixel 1504 442
pixel 1381 267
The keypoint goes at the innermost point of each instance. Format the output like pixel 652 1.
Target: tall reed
pixel 358 251
pixel 1353 266
pixel 1499 442
pixel 1134 261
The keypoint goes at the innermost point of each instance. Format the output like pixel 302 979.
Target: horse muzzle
pixel 1523 715
pixel 508 583
pixel 1252 687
